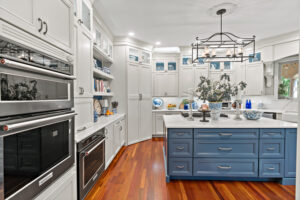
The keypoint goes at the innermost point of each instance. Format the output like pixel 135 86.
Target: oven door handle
pixel 86 153
pixel 30 68
pixel 34 123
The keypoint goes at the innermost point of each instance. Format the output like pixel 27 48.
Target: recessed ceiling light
pixel 157 43
pixel 131 34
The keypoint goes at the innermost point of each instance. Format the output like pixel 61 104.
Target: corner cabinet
pixel 251 154
pixel 38 18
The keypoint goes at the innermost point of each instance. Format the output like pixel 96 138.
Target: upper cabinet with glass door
pixel 165 66
pixel 146 57
pixel 139 56
pixel 83 12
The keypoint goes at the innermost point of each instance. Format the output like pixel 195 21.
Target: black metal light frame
pixel 227 41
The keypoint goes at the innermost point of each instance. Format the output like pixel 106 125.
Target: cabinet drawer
pixel 224 148
pixel 271 168
pixel 180 166
pixel 271 148
pixel 181 133
pixel 271 133
pixel 181 148
pixel 225 167
pixel 226 133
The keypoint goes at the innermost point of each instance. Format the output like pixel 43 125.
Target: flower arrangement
pixel 218 91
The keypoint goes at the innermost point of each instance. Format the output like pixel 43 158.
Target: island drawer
pixel 181 166
pixel 225 167
pixel 181 148
pixel 180 133
pixel 272 133
pixel 226 133
pixel 224 148
pixel 271 168
pixel 271 148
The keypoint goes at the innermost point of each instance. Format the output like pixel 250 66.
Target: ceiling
pixel 178 22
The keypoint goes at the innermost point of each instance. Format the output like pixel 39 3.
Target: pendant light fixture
pixel 222 46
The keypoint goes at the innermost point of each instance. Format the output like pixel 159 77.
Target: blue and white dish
pixel 252 114
pixel 157 102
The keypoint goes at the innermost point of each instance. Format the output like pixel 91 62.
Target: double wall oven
pixel 36 120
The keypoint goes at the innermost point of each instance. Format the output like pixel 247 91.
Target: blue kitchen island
pixel 245 150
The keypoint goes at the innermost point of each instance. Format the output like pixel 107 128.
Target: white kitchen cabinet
pixel 109 144
pixel 65 188
pixel 117 136
pixel 140 56
pixel 190 78
pixel 123 132
pixel 159 128
pixel 38 18
pixel 139 102
pixel 165 65
pixel 85 113
pixel 57 17
pixel 84 56
pixel 165 84
pixel 254 77
pixel 83 12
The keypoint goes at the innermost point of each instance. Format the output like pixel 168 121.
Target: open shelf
pixel 100 74
pixel 99 54
pixel 104 94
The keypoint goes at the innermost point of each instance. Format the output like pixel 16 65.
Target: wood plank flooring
pixel 137 173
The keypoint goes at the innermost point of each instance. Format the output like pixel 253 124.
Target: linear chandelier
pixel 222 46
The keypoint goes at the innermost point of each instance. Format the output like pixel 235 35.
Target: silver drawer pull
pixel 180 134
pixel 271 168
pixel 225 134
pixel 272 133
pixel 225 149
pixel 180 166
pixel 179 148
pixel 224 167
pixel 271 149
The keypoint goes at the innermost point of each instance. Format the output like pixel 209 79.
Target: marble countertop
pixel 232 110
pixel 178 121
pixel 101 123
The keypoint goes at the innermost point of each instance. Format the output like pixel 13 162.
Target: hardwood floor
pixel 137 173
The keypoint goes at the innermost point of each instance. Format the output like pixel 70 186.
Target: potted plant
pixel 217 92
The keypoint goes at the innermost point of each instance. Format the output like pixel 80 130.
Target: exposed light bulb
pixel 206 51
pixel 213 53
pixel 131 34
pixel 240 51
pixel 228 53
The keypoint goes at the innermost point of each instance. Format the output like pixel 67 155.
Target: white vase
pixel 215 108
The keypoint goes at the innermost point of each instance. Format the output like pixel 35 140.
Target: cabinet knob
pixel 80 21
pixel 81 90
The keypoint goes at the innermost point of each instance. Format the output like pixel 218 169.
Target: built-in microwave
pixel 34 151
pixel 31 82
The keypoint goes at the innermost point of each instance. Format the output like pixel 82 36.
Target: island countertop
pixel 178 121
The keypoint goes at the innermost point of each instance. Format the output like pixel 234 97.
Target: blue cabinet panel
pixel 181 166
pixel 181 148
pixel 225 148
pixel 290 153
pixel 271 168
pixel 226 133
pixel 225 167
pixel 272 133
pixel 271 148
pixel 181 133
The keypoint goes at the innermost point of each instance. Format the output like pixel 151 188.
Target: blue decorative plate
pixel 157 102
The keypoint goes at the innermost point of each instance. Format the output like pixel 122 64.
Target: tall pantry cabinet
pixel 134 87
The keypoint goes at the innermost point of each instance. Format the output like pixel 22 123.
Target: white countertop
pixel 224 111
pixel 178 121
pixel 101 123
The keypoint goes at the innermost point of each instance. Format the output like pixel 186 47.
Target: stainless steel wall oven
pixel 36 120
pixel 91 161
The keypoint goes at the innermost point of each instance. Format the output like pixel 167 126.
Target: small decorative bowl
pixel 252 114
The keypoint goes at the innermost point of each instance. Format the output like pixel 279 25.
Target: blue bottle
pixel 250 104
pixel 247 104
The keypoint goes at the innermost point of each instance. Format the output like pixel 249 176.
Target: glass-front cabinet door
pixel 86 14
pixel 133 55
pixel 172 66
pixel 146 57
pixel 159 66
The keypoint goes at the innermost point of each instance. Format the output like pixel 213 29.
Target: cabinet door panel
pixel 186 81
pixel 290 153
pixel 58 16
pixel 171 82
pixel 84 64
pixel 159 124
pixel 84 109
pixel 109 145
pixel 133 120
pixel 159 84
pixel 254 79
pixel 19 13
pixel 145 130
